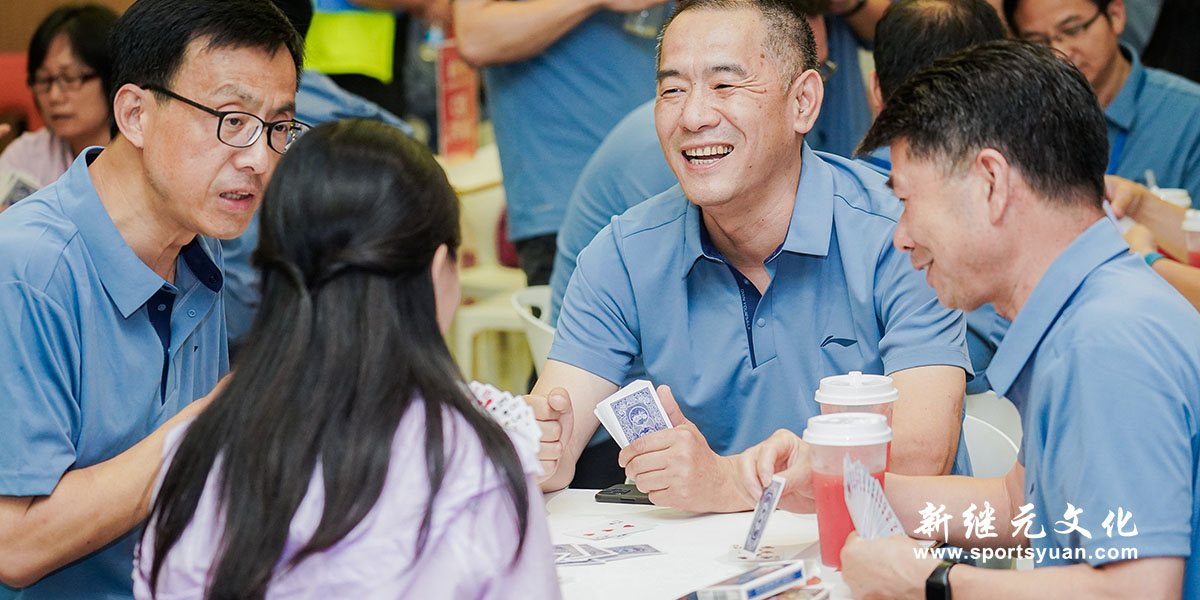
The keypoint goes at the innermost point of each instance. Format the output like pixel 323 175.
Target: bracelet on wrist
pixel 1153 257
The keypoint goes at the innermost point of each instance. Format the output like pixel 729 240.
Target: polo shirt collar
pixel 128 281
pixel 1123 109
pixel 1097 245
pixel 811 225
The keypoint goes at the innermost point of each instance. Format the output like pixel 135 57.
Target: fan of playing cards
pixel 872 514
pixel 512 413
pixel 632 412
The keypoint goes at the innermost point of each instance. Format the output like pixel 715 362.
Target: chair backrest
pixel 992 452
pixel 537 330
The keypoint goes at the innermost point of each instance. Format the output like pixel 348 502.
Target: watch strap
pixel 937 585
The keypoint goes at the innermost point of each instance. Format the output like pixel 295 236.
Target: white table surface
pixel 695 547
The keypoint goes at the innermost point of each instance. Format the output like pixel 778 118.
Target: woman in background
pixel 69 72
pixel 345 458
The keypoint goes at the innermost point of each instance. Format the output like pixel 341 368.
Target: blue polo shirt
pixel 1103 363
pixel 841 299
pixel 1154 123
pixel 625 170
pixel 99 351
pixel 551 111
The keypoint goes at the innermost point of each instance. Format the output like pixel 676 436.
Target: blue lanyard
pixel 1118 148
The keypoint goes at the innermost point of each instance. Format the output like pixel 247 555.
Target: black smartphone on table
pixel 623 493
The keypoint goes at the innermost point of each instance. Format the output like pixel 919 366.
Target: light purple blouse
pixel 40 155
pixel 471 541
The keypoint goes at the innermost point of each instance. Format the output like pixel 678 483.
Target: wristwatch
pixel 937 586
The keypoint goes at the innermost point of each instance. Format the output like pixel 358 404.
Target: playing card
pixel 513 414
pixel 632 412
pixel 872 514
pixel 15 186
pixel 610 529
pixel 762 513
pixel 623 552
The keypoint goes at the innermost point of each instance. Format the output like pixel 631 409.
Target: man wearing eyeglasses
pixel 113 321
pixel 1153 116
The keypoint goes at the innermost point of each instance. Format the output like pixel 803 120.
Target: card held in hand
pixel 872 514
pixel 632 412
pixel 762 513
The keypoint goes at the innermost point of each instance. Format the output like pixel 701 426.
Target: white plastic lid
pixel 1191 220
pixel 857 389
pixel 1176 196
pixel 848 429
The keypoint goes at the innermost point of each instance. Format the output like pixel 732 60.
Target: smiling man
pixel 113 320
pixel 769 267
pixel 999 158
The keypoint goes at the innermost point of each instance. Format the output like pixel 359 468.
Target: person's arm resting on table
pixel 492 32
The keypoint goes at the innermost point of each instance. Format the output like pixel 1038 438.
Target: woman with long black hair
pixel 345 459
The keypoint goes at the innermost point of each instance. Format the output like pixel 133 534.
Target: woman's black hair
pixel 86 27
pixel 346 340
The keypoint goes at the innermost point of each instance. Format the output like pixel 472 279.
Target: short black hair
pixel 1010 10
pixel 299 12
pixel 87 27
pixel 150 40
pixel 1016 97
pixel 912 33
pixel 785 22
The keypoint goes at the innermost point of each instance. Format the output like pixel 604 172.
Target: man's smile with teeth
pixel 707 154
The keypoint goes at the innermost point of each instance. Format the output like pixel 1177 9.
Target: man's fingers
pixel 550 451
pixel 646 463
pixel 651 442
pixel 559 400
pixel 551 430
pixel 671 406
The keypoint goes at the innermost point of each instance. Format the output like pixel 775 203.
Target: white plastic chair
pixel 999 412
pixel 538 331
pixel 993 453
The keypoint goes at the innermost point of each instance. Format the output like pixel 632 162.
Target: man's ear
pixel 806 94
pixel 129 112
pixel 1116 16
pixel 997 173
pixel 875 95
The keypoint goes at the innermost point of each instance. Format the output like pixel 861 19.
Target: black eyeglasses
pixel 242 129
pixel 1066 33
pixel 68 82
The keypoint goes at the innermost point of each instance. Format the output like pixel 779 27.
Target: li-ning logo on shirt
pixel 843 342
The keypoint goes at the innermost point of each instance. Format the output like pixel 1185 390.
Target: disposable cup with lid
pixel 857 392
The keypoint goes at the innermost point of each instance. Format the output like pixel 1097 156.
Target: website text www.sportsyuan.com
pixel 1038 555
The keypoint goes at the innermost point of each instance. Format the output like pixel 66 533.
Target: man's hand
pixel 677 468
pixel 1124 195
pixel 1140 240
pixel 887 568
pixel 556 419
pixel 785 454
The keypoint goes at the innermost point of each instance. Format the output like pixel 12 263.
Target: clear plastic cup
pixel 861 436
pixel 646 23
pixel 1191 231
pixel 856 392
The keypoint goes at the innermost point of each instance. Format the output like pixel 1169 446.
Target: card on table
pixel 610 529
pixel 633 411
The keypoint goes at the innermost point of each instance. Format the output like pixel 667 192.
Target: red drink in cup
pixel 861 436
pixel 1191 232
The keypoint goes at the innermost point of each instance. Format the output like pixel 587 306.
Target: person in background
pixel 559 75
pixel 345 458
pixel 113 321
pixel 1158 225
pixel 1153 116
pixel 1173 46
pixel 70 74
